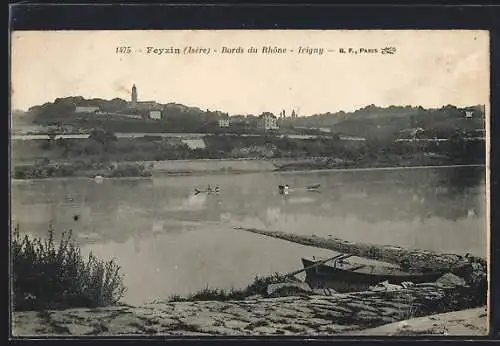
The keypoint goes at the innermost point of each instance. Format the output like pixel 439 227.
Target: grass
pixel 51 275
pixel 257 287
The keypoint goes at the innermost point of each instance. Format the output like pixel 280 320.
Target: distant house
pixel 155 114
pixel 224 121
pixel 267 121
pixel 86 109
pixel 469 114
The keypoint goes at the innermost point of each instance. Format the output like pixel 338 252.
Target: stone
pixel 450 279
pixel 288 288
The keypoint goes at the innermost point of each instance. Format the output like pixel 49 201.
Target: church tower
pixel 134 96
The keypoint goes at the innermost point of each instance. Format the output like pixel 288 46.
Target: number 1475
pixel 123 50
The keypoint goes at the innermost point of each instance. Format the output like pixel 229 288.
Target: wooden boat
pixel 345 276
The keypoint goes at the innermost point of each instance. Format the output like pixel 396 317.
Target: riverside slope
pixel 300 315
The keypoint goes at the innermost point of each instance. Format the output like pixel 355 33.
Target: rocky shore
pixel 300 315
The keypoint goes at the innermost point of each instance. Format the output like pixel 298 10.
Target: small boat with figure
pixel 283 189
pixel 345 276
pixel 209 189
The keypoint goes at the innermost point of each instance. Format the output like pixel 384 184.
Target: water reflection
pixel 401 195
pixel 159 226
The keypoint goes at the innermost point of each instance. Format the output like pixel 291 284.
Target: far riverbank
pixel 146 169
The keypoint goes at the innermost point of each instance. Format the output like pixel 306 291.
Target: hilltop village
pixel 371 121
pixel 65 111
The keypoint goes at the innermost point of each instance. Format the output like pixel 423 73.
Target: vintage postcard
pixel 249 183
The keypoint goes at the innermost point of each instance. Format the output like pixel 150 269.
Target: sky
pixel 429 68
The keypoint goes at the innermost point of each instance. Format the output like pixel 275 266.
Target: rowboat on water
pixel 343 276
pixel 284 189
pixel 209 189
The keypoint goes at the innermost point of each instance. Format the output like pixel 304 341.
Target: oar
pixel 338 257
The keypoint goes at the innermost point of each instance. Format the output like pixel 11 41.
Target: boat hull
pixel 343 280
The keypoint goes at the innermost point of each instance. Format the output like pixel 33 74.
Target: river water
pixel 170 241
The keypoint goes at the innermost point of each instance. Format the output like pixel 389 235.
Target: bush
pixel 44 171
pixel 47 275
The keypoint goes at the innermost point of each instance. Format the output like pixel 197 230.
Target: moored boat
pixel 345 276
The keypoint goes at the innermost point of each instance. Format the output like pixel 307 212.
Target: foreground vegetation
pixel 51 275
pixel 257 287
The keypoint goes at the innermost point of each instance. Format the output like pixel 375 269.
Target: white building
pixel 86 109
pixel 469 114
pixel 267 121
pixel 224 122
pixel 155 114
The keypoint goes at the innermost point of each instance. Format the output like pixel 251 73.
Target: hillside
pixel 116 115
pixel 373 121
pixel 369 122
